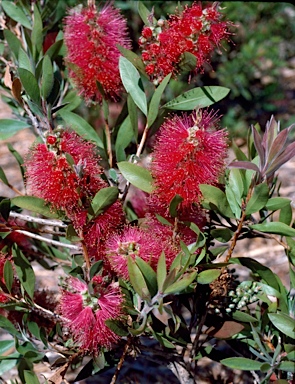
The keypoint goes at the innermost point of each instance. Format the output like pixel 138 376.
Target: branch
pixel 31 219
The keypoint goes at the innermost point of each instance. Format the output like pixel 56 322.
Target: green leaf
pixel 30 84
pixel 9 362
pixel 206 277
pixel 283 323
pixel 188 62
pixel 79 125
pixel 124 138
pixel 216 199
pixel 31 378
pixel 258 199
pixel 137 280
pixel 9 127
pixel 275 228
pixel 275 203
pixel 222 234
pixel 132 110
pixel 37 38
pixel 234 191
pixel 138 176
pixel 174 204
pixel 286 214
pixel 197 98
pixel 144 13
pixel 117 327
pixel 104 198
pixel 264 272
pixel 149 274
pixel 243 317
pixel 155 101
pixel 8 275
pixel 5 207
pixel 161 271
pixel 241 363
pixel 5 345
pixel 181 284
pixel 18 158
pixel 133 58
pixel 2 175
pixel 47 77
pixel 12 41
pixel 16 13
pixel 130 79
pixel 24 271
pixel 34 204
pixel 24 61
pixel 286 366
pixel 95 268
pixel 8 326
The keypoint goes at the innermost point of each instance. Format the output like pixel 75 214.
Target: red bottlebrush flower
pixel 188 152
pixel 101 228
pixel 193 30
pixel 85 313
pixel 91 37
pixel 132 242
pixel 66 186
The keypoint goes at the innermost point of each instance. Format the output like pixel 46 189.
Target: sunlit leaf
pixel 138 176
pixel 197 98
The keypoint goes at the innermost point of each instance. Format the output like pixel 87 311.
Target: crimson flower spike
pixel 273 148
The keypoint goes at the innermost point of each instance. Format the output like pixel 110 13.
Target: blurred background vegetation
pixel 257 63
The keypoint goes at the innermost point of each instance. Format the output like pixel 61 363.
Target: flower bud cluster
pixel 245 293
pixel 193 30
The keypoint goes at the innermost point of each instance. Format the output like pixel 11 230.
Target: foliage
pixel 131 262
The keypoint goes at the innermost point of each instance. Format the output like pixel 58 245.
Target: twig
pixel 38 220
pixel 119 366
pixel 13 188
pixel 142 141
pixel 46 240
pixel 109 144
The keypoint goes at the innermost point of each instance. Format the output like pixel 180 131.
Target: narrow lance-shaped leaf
pixel 30 84
pixel 161 271
pixel 36 36
pixel 155 101
pixel 258 199
pixel 34 204
pixel 8 274
pixel 16 13
pixel 197 97
pixel 3 177
pixel 13 42
pixel 278 146
pixel 137 280
pixel 47 77
pixel 275 228
pixel 149 274
pixel 181 284
pixel 244 165
pixel 10 127
pixel 130 79
pixel 133 58
pixel 287 155
pixel 145 14
pixel 136 175
pixel 242 363
pixel 206 277
pixel 24 271
pixel 284 323
pixel 104 198
pixel 81 126
pixel 258 145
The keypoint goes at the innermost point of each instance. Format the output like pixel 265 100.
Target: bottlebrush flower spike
pixel 85 313
pixel 132 242
pixel 195 30
pixel 51 177
pixel 91 37
pixel 189 151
